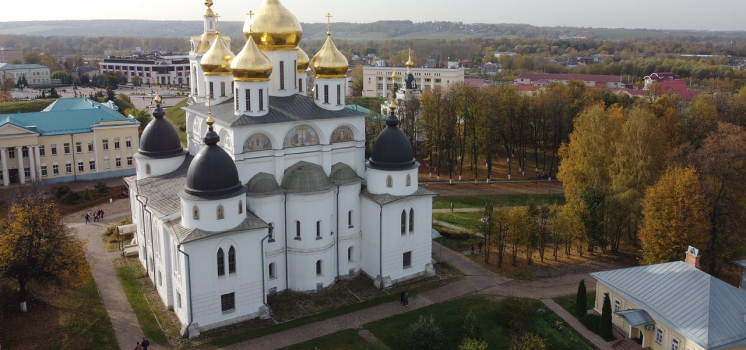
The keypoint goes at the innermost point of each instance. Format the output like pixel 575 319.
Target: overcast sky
pixel 651 14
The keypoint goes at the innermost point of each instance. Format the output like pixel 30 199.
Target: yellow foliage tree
pixel 36 246
pixel 675 216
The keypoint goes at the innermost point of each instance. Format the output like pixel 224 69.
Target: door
pixel 13 175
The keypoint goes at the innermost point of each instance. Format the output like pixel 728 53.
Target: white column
pixel 6 180
pixel 31 166
pixel 21 172
pixel 38 161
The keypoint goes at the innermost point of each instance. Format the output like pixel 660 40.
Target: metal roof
pixel 160 192
pixel 185 235
pixel 281 109
pixel 702 308
pixel 11 66
pixel 636 317
pixel 385 198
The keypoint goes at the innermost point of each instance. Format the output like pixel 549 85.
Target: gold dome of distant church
pixel 302 59
pixel 274 27
pixel 329 62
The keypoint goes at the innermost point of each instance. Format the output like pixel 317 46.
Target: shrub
pixel 451 233
pixel 424 334
pixel 471 325
pixel 604 329
pixel 515 313
pixel 101 187
pixel 71 198
pixel 591 321
pixel 60 190
pixel 87 194
pixel 581 300
pixel 528 341
pixel 473 344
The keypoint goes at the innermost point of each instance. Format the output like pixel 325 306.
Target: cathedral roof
pixel 342 174
pixel 160 139
pixel 159 192
pixel 274 27
pixel 213 172
pixel 263 184
pixel 281 110
pixel 385 198
pixel 305 177
pixel 185 235
pixel 392 149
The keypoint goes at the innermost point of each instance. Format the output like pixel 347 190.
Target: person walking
pixel 87 218
pixel 401 298
pixel 472 249
pixel 480 247
pixel 406 299
pixel 145 343
pixel 451 207
pixel 138 347
pixel 102 213
pixel 95 216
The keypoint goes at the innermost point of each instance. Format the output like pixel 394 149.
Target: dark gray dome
pixel 392 149
pixel 342 174
pixel 160 139
pixel 305 177
pixel 212 172
pixel 263 183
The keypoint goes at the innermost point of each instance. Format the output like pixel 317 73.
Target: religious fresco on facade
pixel 302 135
pixel 342 134
pixel 257 142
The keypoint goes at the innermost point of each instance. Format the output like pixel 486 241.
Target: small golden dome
pixel 393 75
pixel 251 64
pixel 274 27
pixel 157 99
pixel 409 61
pixel 217 60
pixel 204 43
pixel 209 12
pixel 329 62
pixel 302 61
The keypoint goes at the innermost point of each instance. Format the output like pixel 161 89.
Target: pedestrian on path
pixel 138 347
pixel 406 299
pixel 451 207
pixel 87 218
pixel 145 343
pixel 95 217
pixel 401 298
pixel 480 247
pixel 101 211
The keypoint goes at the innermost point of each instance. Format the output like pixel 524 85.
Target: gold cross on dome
pixel 328 22
pixel 217 22
pixel 251 20
pixel 210 121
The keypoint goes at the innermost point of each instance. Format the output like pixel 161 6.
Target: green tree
pixel 675 216
pixel 424 334
pixel 141 115
pixel 87 194
pixel 473 344
pixel 528 341
pixel 34 245
pixel 63 76
pixel 581 300
pixel 604 329
pixel 32 57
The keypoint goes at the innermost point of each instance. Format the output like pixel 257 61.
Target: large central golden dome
pixel 274 27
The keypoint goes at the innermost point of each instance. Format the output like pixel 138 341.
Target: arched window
pixel 232 260
pixel 147 168
pixel 195 213
pixel 350 251
pixel 221 212
pixel 240 207
pixel 318 229
pixel 411 220
pixel 409 180
pixel 318 268
pixel 349 219
pixel 272 271
pixel 297 229
pixel 389 181
pixel 403 221
pixel 221 263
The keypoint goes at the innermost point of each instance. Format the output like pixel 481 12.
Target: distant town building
pixel 668 82
pixel 377 80
pixel 72 139
pixel 165 69
pixel 590 80
pixel 10 56
pixel 35 74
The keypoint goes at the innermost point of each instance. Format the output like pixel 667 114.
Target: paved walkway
pixel 574 323
pixel 126 328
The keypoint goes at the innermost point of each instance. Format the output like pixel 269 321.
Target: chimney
pixel 692 256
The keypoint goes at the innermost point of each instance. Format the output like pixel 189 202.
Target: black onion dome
pixel 160 139
pixel 212 172
pixel 392 149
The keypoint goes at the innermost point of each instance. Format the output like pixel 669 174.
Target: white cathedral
pixel 273 192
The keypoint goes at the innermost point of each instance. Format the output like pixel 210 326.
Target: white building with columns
pixel 273 191
pixel 72 139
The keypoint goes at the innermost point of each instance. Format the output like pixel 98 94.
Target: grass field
pixel 509 200
pixel 25 106
pixel 61 318
pixel 148 322
pixel 347 339
pixel 469 221
pixel 568 301
pixel 489 325
pixel 177 117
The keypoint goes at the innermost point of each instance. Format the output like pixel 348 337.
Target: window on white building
pixel 221 262
pixel 92 164
pixel 349 219
pixel 272 271
pixel 116 143
pixel 128 142
pixel 105 144
pixel 232 260
pixel 41 151
pixel 43 170
pixel 319 270
pixel 407 260
pixel 80 166
pixel 195 213
pixel 228 302
pixel 403 221
pixel 318 229
pixel 90 146
pixel 674 344
pixel 221 212
pixel 659 335
pixel 55 169
pixel 240 207
pixel 350 252
pixel 389 181
pixel 411 220
pixel 409 180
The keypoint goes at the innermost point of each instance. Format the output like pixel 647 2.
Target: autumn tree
pixel 35 246
pixel 518 228
pixel 675 216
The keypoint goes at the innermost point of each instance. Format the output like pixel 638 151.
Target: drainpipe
pixel 264 288
pixel 189 286
pixel 337 241
pixel 142 215
pixel 380 244
pixel 287 287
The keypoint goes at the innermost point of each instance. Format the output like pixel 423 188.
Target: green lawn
pixel 508 200
pixel 145 317
pixel 62 318
pixel 25 106
pixel 177 117
pixel 568 302
pixel 489 325
pixel 469 221
pixel 343 340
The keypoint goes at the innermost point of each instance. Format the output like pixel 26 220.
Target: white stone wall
pixel 376 181
pixel 208 210
pixel 158 166
pixel 290 67
pixel 419 242
pixel 349 233
pixel 329 88
pixel 370 240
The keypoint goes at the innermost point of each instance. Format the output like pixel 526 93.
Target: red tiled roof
pixel 476 82
pixel 582 77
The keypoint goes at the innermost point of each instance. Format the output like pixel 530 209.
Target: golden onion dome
pixel 217 60
pixel 251 64
pixel 209 12
pixel 302 61
pixel 204 43
pixel 329 62
pixel 274 27
pixel 409 61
